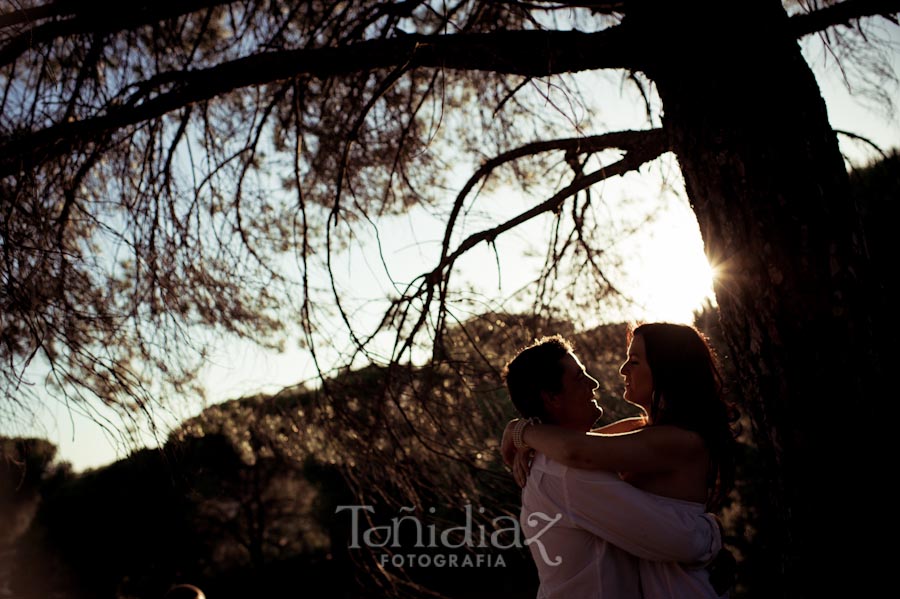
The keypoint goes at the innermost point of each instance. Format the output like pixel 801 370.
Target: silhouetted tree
pixel 159 168
pixel 28 468
pixel 25 467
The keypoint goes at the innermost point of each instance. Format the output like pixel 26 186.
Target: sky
pixel 674 280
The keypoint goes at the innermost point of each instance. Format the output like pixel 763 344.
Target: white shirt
pixel 585 529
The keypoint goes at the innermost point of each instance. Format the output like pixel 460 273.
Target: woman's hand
pixel 522 466
pixel 519 460
pixel 507 449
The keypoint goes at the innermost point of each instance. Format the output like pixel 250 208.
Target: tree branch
pixel 631 162
pixel 865 140
pixel 35 13
pixel 598 7
pixel 842 14
pixel 653 147
pixel 652 140
pixel 531 53
pixel 93 17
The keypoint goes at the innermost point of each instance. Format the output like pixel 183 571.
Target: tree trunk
pixel 770 191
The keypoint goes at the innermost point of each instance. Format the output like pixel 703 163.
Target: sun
pixel 671 279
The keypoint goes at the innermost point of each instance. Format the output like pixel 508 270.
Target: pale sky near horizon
pixel 666 247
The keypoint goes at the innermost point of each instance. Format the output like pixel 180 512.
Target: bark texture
pixel 796 293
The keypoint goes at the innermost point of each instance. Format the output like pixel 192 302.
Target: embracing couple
pixel 628 503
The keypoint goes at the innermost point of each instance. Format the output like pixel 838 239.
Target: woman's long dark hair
pixel 687 392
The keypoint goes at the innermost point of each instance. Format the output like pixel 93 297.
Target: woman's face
pixel 638 378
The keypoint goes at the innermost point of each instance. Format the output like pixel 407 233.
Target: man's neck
pixel 580 427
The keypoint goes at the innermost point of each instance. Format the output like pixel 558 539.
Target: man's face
pixel 574 405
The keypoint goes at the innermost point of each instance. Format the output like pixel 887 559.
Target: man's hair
pixel 534 369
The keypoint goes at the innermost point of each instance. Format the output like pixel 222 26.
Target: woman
pixel 681 451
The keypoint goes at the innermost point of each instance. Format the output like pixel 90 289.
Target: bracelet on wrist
pixel 519 431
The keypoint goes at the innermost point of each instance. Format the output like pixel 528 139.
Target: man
pixel 587 529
